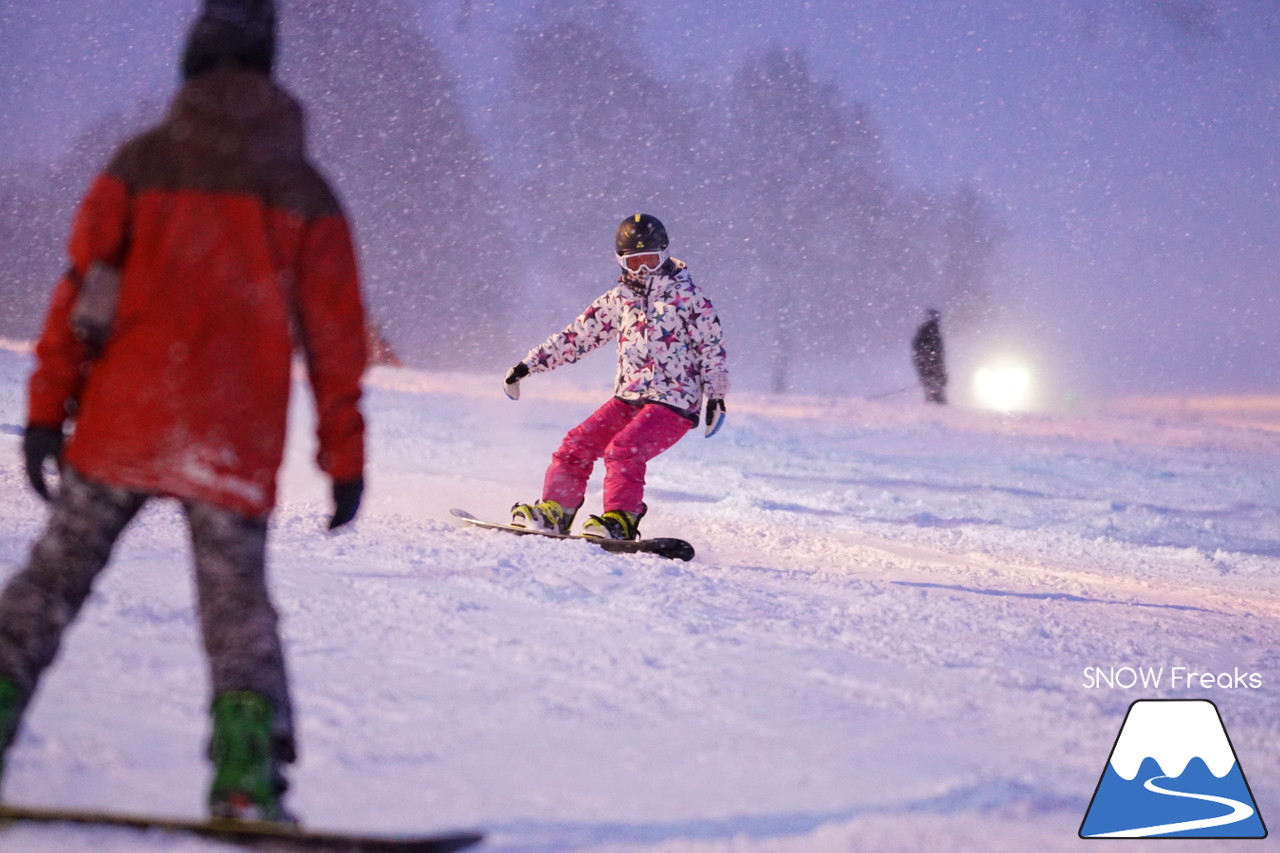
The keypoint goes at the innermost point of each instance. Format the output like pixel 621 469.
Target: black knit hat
pixel 241 33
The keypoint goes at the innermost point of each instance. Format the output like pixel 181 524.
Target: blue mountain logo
pixel 1173 773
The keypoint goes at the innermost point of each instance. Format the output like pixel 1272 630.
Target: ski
pixel 672 549
pixel 256 835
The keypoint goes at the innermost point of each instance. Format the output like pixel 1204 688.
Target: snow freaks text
pixel 1172 678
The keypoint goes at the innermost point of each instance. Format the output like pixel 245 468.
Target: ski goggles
pixel 642 262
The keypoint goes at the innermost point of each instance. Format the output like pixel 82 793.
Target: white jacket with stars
pixel 670 346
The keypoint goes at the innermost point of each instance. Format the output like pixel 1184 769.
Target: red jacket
pixel 232 250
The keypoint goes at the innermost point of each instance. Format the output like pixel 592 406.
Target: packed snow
pixel 906 628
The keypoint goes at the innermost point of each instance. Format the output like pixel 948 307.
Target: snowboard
pixel 672 549
pixel 256 835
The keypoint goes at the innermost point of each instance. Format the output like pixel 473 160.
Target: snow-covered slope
pixel 884 642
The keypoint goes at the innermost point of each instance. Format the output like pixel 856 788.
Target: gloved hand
pixel 346 501
pixel 715 415
pixel 39 444
pixel 511 385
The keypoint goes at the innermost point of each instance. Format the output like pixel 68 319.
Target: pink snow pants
pixel 627 437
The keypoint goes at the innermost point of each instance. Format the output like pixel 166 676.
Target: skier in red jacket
pixel 206 251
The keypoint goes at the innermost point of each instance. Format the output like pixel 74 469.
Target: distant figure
pixel 926 353
pixel 206 251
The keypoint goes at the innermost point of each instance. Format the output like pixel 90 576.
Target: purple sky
pixel 1130 145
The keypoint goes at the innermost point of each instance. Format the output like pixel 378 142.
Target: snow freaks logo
pixel 1178 678
pixel 1172 773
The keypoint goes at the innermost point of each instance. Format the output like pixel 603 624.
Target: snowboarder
pixel 926 354
pixel 670 357
pixel 209 247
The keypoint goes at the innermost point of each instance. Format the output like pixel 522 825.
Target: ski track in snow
pixel 880 644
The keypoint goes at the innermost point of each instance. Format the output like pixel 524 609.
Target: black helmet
pixel 640 233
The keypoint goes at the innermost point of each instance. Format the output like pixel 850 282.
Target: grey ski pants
pixel 238 622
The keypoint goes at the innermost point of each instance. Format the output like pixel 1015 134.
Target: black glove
pixel 39 444
pixel 346 500
pixel 715 415
pixel 511 385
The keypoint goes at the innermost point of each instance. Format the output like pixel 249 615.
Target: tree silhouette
pixel 594 136
pixel 813 198
pixel 774 187
pixel 972 239
pixel 388 125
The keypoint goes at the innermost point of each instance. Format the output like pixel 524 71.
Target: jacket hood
pixel 238 113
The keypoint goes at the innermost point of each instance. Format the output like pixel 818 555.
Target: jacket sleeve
pixel 98 233
pixel 594 327
pixel 711 353
pixel 331 323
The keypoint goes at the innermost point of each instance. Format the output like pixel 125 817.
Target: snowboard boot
pixel 548 515
pixel 10 712
pixel 615 524
pixel 247 780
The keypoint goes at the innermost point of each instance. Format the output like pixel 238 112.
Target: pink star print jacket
pixel 670 347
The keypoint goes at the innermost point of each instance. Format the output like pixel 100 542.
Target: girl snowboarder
pixel 670 357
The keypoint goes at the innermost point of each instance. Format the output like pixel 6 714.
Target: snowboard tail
pixel 257 835
pixel 672 549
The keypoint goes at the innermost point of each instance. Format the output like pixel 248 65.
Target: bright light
pixel 1003 387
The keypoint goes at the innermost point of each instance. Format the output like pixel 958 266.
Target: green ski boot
pixel 247 782
pixel 10 713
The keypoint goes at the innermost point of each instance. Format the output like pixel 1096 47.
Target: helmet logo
pixel 640 232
